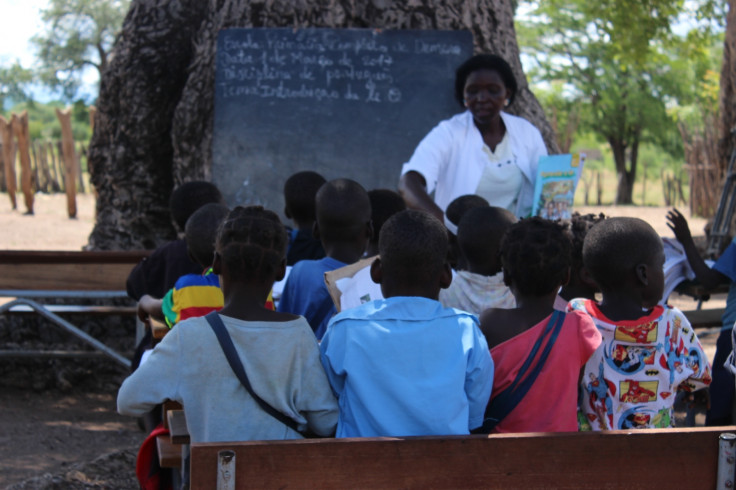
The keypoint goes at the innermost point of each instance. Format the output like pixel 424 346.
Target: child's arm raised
pixel 709 278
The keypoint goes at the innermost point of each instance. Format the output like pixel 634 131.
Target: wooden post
pixel 92 112
pixel 6 132
pixel 599 188
pixel 36 172
pixel 82 152
pixel 2 166
pixel 54 167
pixel 70 163
pixel 20 128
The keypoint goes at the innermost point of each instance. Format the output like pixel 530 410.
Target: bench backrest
pixel 663 458
pixel 68 271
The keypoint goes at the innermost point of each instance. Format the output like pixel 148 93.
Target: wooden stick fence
pixel 44 165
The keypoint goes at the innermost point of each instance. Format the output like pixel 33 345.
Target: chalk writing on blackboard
pixel 319 66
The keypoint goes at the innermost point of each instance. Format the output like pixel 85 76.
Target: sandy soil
pixel 54 436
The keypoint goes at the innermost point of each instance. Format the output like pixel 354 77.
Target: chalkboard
pixel 342 102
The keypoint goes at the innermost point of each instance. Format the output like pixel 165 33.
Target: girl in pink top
pixel 536 262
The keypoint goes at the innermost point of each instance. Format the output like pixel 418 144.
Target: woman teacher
pixel 482 151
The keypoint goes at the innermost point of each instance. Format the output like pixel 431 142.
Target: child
pixel 536 261
pixel 299 192
pixel 723 272
pixel 631 380
pixel 404 365
pixel 278 350
pixel 480 286
pixel 193 294
pixel 361 288
pixel 344 228
pixel 580 285
pixel 384 204
pixel 156 274
pixel 455 212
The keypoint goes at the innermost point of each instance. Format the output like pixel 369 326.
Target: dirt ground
pixel 68 435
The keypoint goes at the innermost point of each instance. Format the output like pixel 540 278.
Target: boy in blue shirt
pixel 723 272
pixel 344 227
pixel 405 365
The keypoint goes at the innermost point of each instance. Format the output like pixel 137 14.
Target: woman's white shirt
pixel 452 159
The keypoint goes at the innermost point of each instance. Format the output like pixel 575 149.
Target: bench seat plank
pixel 646 459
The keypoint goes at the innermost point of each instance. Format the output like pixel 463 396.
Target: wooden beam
pixel 20 128
pixel 11 182
pixel 70 160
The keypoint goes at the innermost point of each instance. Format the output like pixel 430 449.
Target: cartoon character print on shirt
pixel 676 356
pixel 624 358
pixel 600 400
pixel 636 418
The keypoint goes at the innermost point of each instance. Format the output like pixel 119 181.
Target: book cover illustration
pixel 557 179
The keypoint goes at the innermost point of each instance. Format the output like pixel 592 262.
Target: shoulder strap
pixel 237 366
pixel 509 398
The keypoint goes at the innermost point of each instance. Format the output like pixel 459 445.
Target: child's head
pixel 299 193
pixel 479 236
pixel 626 254
pixel 413 256
pixel 384 204
pixel 535 254
pixel 459 206
pixel 201 232
pixel 581 284
pixel 252 245
pixel 343 212
pixel 189 197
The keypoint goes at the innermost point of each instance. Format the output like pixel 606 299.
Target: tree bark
pixel 20 129
pixel 70 160
pixel 626 173
pixel 727 141
pixel 11 182
pixel 153 128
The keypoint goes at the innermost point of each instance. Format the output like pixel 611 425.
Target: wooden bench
pixel 646 459
pixel 28 279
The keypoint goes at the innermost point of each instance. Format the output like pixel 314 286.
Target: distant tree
pixel 14 80
pixel 616 54
pixel 78 34
pixel 728 89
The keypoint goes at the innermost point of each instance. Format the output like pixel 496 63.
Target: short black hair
pixel 252 243
pixel 299 192
pixel 480 232
pixel 342 209
pixel 189 197
pixel 577 228
pixel 461 205
pixel 535 254
pixel 413 245
pixel 615 246
pixel 384 204
pixel 485 62
pixel 201 232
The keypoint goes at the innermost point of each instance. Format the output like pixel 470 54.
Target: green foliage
pixel 14 81
pixel 623 66
pixel 43 123
pixel 78 34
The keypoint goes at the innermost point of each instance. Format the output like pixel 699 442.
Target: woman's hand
pixel 412 188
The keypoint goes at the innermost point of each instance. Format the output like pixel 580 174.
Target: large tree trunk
pixel 155 112
pixel 626 173
pixel 727 142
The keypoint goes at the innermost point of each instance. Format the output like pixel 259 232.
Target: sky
pixel 21 21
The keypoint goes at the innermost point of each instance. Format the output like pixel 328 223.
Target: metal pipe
pixel 69 328
pixel 726 461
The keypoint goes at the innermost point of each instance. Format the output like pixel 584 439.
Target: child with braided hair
pixel 278 350
pixel 535 255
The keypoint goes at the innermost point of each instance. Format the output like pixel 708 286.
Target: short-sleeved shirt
pixel 726 265
pixel 406 366
pixel 306 294
pixel 631 380
pixel 555 388
pixel 193 295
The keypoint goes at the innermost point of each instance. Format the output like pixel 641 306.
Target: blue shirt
pixel 726 265
pixel 407 366
pixel 305 293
